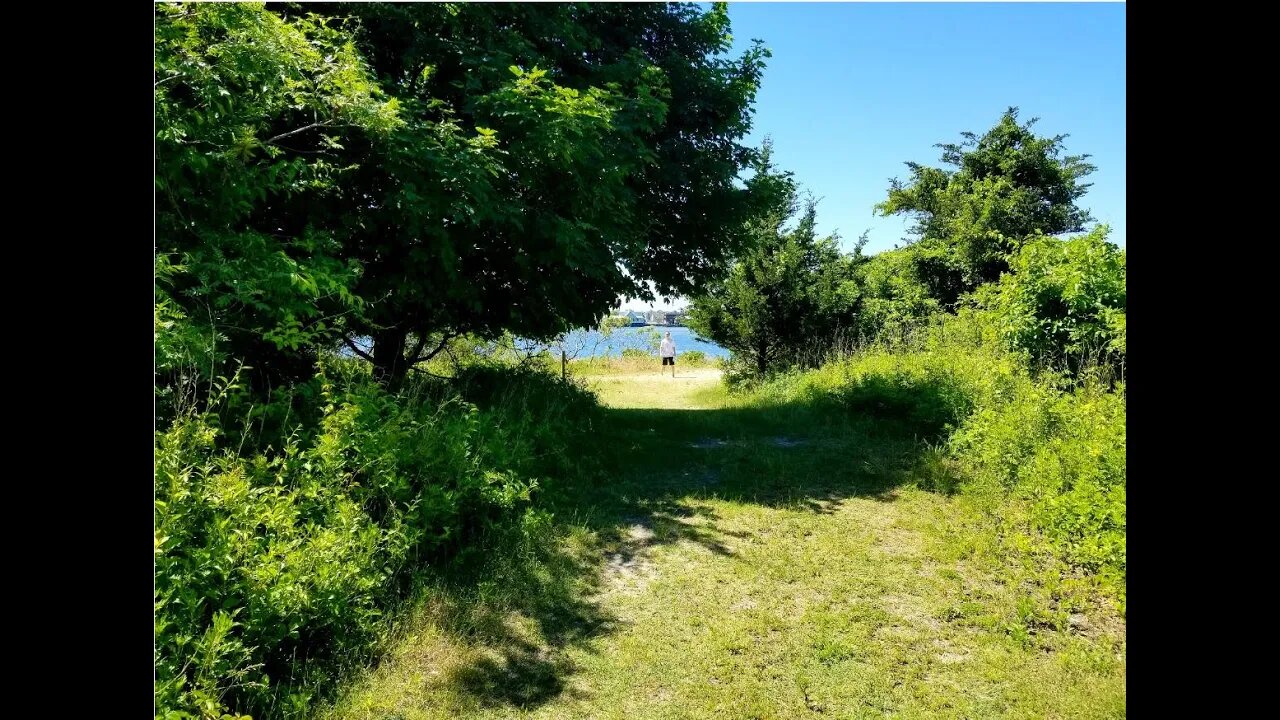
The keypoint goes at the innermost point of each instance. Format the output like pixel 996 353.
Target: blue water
pixel 596 345
pixel 590 343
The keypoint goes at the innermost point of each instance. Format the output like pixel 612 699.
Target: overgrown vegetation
pixel 1043 453
pixel 275 567
pixel 361 207
pixel 410 184
pixel 408 173
pixel 1064 304
pixel 992 335
pixel 987 234
pixel 790 294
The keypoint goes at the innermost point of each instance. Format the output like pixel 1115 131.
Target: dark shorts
pixel 668 361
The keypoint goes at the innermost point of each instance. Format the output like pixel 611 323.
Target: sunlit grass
pixel 747 558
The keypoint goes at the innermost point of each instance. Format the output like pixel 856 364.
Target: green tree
pixel 787 296
pixel 248 109
pixel 413 172
pixel 1001 188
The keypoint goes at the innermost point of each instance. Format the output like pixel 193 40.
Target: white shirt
pixel 668 348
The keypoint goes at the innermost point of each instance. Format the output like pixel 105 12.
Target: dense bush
pixel 1048 455
pixel 1064 303
pixel 895 298
pixel 1064 454
pixel 917 393
pixel 274 568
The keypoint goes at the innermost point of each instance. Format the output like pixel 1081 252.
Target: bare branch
pixel 444 342
pixel 417 349
pixel 355 348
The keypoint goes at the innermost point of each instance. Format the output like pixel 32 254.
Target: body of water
pixel 591 343
pixel 641 338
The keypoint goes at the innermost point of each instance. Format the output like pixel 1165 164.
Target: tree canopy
pixel 407 172
pixel 999 189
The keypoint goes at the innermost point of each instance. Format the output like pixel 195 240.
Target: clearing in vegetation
pixel 746 560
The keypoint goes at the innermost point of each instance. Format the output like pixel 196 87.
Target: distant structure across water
pixel 662 318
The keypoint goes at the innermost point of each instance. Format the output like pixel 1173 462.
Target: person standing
pixel 668 353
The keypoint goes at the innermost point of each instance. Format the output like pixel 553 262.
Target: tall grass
pixel 1044 453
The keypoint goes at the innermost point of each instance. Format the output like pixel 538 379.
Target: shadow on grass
pixel 529 596
pixel 526 676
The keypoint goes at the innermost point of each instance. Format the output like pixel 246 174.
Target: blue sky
pixel 854 90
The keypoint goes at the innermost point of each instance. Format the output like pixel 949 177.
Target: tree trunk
pixel 389 365
pixel 762 362
pixel 564 366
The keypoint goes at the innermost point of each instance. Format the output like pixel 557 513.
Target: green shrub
pixel 895 300
pixel 1064 453
pixel 275 567
pixel 636 354
pixel 693 358
pixel 1049 455
pixel 1064 303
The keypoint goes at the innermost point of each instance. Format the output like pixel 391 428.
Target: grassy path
pixel 745 563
